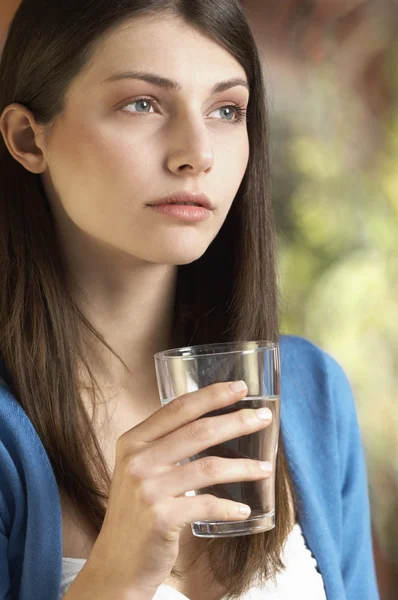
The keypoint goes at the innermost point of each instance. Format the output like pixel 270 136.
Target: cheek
pixel 94 163
pixel 231 164
pixel 100 180
pixel 97 155
pixel 243 157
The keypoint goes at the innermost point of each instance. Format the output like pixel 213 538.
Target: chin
pixel 178 258
pixel 174 255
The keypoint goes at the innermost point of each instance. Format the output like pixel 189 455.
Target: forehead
pixel 167 45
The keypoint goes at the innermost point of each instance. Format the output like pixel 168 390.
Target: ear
pixel 23 138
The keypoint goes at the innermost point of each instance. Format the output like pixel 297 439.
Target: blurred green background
pixel 331 70
pixel 332 79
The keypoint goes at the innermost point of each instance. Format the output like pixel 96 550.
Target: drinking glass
pixel 183 370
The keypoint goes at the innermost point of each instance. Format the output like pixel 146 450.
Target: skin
pixel 102 162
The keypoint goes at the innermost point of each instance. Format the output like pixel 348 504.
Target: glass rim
pixel 171 353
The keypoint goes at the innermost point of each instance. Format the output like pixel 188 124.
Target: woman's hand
pixel 139 542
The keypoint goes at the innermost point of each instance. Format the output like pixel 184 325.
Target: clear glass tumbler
pixel 183 370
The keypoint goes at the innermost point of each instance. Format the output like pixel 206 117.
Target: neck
pixel 130 303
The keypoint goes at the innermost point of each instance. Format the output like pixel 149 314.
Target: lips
pixel 184 198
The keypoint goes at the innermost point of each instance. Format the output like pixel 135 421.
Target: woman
pixel 108 109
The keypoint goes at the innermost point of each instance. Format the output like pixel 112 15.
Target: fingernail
pixel 265 466
pixel 264 414
pixel 238 386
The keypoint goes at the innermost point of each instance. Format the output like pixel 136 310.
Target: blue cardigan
pixel 323 449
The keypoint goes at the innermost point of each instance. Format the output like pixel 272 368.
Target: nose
pixel 190 148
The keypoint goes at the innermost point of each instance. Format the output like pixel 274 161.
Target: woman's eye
pixel 139 106
pixel 235 114
pixel 227 113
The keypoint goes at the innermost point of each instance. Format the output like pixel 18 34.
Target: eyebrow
pixel 173 86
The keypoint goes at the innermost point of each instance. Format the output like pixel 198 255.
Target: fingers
pixel 183 410
pixel 205 433
pixel 170 518
pixel 201 473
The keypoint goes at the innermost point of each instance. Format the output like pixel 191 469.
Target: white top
pixel 300 580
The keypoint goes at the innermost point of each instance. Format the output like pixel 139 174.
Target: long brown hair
pixel 228 294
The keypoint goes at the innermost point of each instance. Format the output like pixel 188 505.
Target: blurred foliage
pixel 336 202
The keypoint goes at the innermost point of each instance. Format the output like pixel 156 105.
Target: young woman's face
pixel 123 142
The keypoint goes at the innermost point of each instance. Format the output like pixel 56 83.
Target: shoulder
pixel 317 404
pixel 324 449
pixel 313 372
pixel 16 429
pixel 30 510
pixel 14 423
pixel 23 460
pixel 302 355
pixel 11 469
